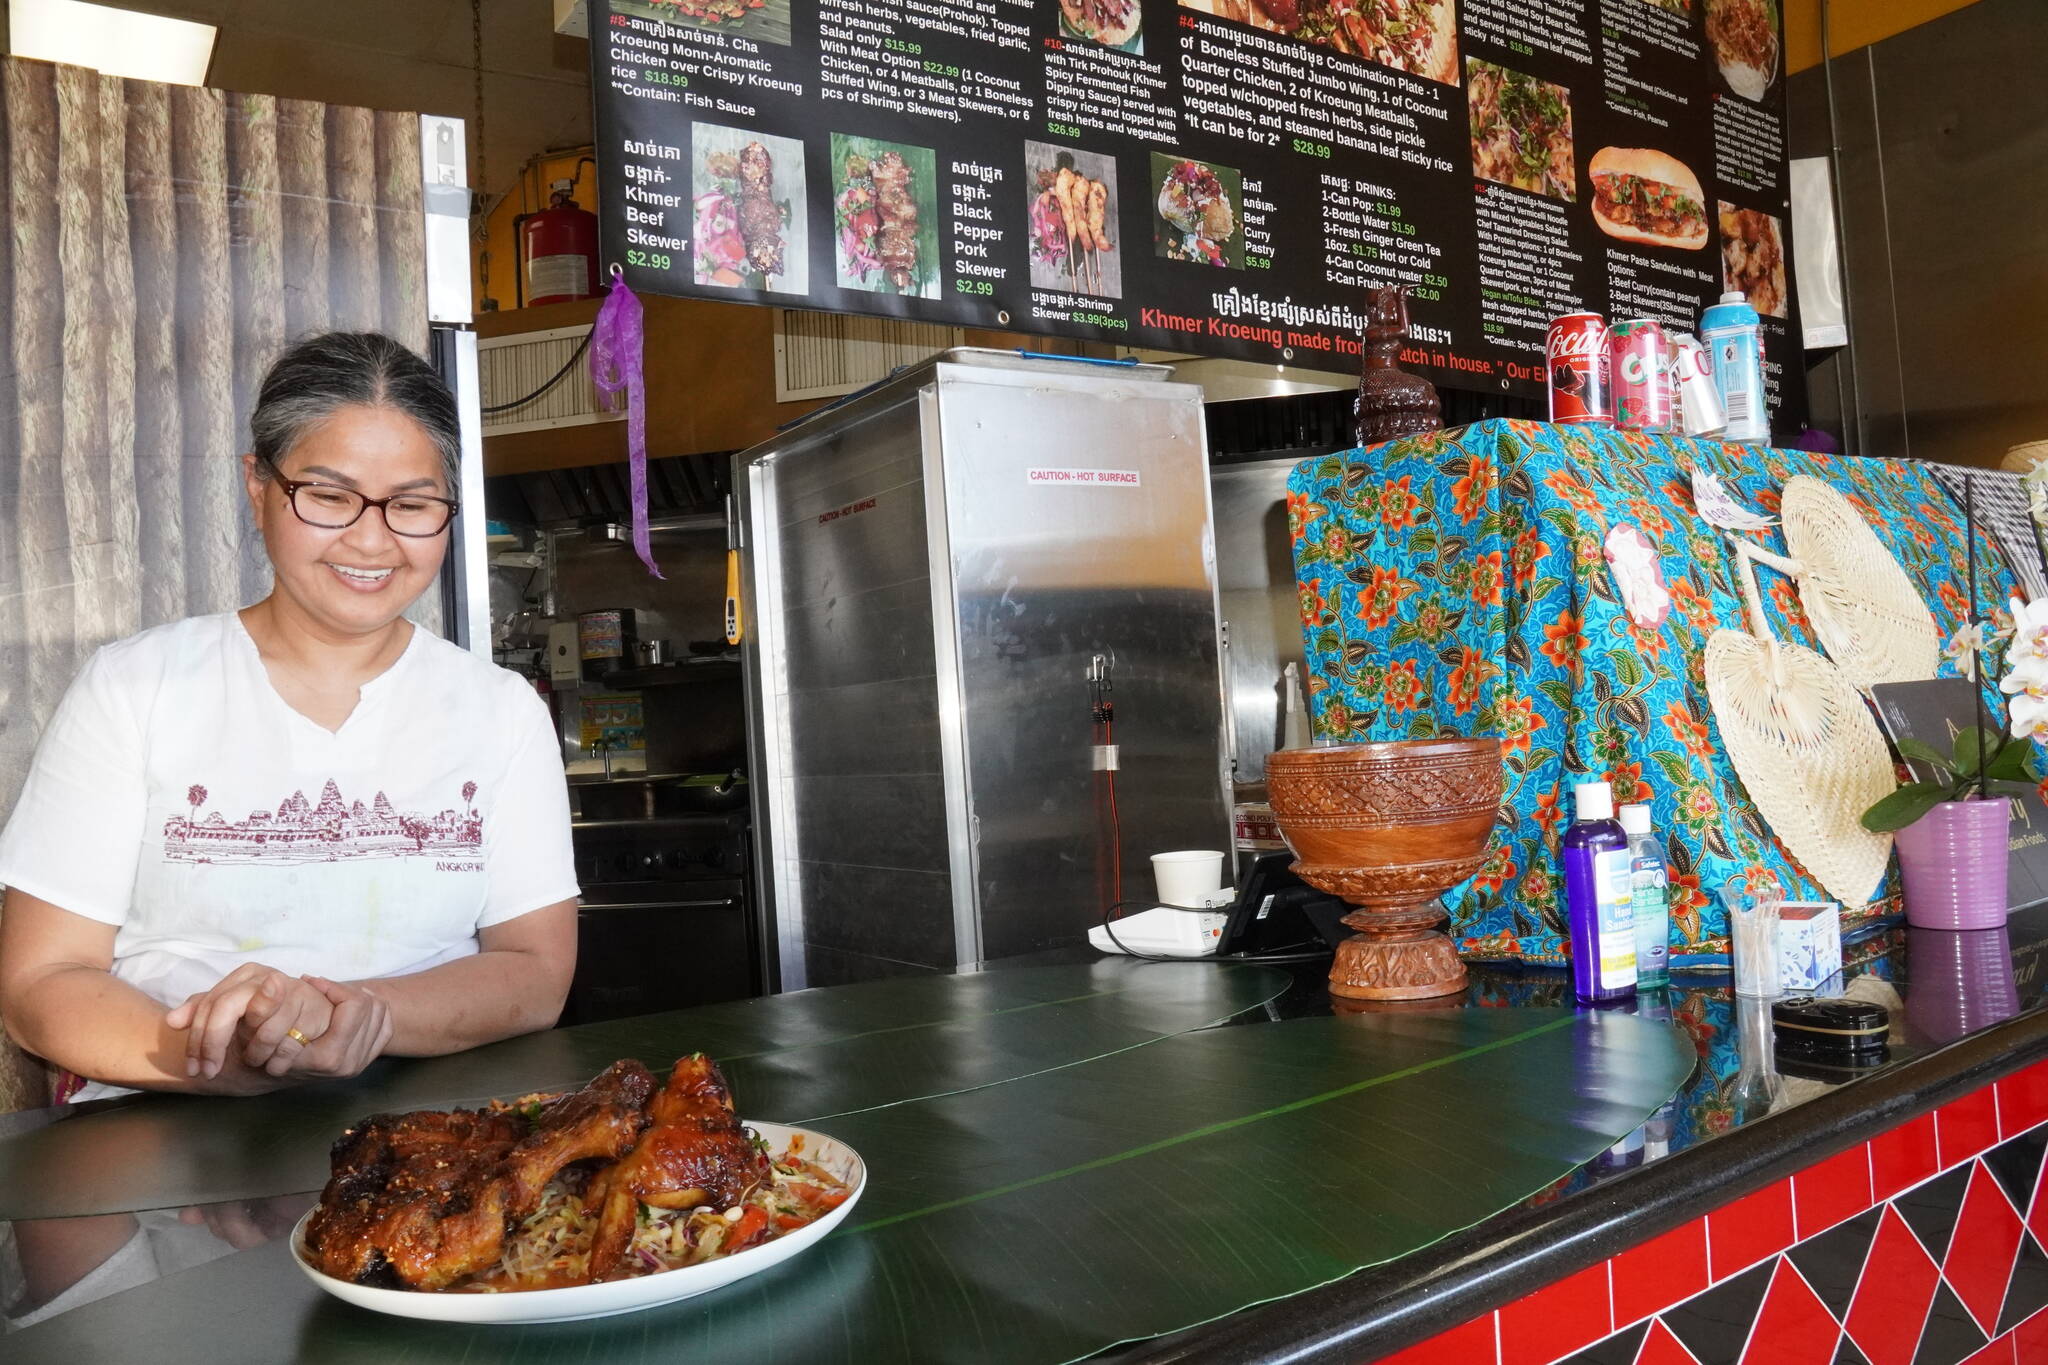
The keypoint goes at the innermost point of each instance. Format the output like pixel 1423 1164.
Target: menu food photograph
pixel 884 197
pixel 1744 38
pixel 1642 195
pixel 1071 207
pixel 752 228
pixel 1113 23
pixel 1753 258
pixel 763 21
pixel 1521 130
pixel 1199 206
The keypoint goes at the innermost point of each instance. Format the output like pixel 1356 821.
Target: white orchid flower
pixel 2030 632
pixel 2029 716
pixel 1963 648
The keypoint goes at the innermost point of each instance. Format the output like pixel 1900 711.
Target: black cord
pixel 1110 912
pixel 560 375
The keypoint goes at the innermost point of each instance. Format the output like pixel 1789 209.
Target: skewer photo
pixel 750 229
pixel 1072 207
pixel 885 216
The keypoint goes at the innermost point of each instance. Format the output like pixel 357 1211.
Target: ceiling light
pixel 117 42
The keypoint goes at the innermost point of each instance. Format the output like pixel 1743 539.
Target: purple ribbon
pixel 617 356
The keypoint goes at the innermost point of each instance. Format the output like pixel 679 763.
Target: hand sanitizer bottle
pixel 1649 897
pixel 1597 881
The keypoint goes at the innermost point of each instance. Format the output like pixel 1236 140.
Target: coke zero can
pixel 1575 354
pixel 1644 398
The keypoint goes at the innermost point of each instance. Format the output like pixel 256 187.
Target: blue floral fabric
pixel 1455 583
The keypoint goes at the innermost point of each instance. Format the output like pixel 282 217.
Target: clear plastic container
pixel 1649 897
pixel 1753 941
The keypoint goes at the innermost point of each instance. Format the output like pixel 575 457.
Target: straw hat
pixel 2022 458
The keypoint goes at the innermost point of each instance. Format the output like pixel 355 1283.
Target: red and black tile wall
pixel 1923 1246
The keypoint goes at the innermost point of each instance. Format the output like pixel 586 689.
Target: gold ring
pixel 297 1037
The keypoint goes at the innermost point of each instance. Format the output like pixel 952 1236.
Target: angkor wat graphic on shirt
pixel 299 831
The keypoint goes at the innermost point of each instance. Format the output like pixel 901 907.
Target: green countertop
pixel 793 1058
pixel 1059 1159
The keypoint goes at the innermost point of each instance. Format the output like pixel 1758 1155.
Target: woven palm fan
pixel 1805 747
pixel 1870 618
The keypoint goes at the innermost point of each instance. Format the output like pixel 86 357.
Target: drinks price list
pixel 1217 177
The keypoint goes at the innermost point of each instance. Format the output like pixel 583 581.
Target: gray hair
pixel 318 375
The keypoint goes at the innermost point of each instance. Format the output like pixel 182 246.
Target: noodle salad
pixel 551 1248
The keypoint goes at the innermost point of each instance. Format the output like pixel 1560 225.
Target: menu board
pixel 1221 177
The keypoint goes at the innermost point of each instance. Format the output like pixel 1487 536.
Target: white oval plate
pixel 1747 81
pixel 614 1296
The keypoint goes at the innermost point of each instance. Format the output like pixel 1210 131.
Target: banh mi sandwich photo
pixel 1642 195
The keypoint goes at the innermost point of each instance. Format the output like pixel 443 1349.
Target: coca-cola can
pixel 1575 354
pixel 1699 402
pixel 1644 396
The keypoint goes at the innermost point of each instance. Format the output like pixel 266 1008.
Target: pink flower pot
pixel 1954 861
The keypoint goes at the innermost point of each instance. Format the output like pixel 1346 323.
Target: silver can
pixel 1699 402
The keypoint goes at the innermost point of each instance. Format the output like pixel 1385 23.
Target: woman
pixel 277 843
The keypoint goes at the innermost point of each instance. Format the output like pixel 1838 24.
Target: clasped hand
pixel 282 1025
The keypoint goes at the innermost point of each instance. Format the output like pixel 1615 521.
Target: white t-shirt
pixel 177 796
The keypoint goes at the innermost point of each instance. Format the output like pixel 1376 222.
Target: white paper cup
pixel 1189 877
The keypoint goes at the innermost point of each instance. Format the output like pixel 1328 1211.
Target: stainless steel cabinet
pixel 932 569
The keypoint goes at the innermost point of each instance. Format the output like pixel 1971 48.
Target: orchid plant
pixel 1982 763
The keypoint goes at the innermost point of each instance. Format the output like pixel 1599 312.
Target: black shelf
pixel 671 675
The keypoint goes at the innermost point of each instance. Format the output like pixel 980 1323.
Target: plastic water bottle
pixel 1649 897
pixel 1597 883
pixel 1734 338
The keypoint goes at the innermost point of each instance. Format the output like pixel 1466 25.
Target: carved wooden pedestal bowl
pixel 1389 827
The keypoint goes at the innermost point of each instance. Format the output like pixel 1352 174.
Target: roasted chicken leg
pixel 602 1120
pixel 694 1154
pixel 420 1200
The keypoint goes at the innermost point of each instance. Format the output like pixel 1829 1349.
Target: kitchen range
pixel 647 701
pixel 667 918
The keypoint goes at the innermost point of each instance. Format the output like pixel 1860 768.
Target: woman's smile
pixel 361 579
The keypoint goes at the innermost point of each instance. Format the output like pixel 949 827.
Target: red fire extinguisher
pixel 560 247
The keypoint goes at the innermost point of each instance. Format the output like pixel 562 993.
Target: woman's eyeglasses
pixel 333 508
